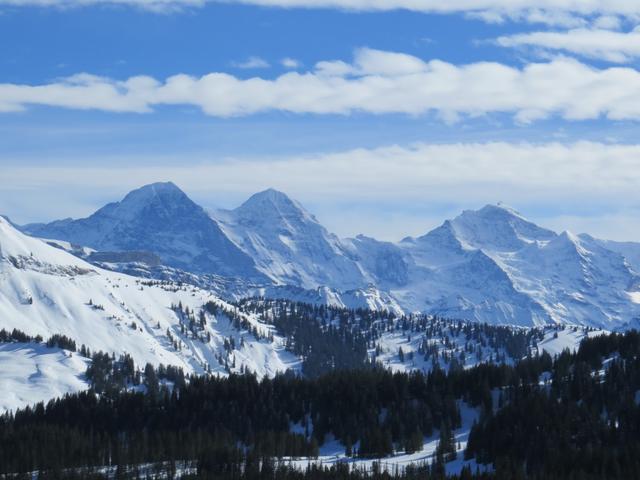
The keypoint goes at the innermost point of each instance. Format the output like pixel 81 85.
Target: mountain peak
pixel 498 227
pixel 498 209
pixel 272 204
pixel 163 198
pixel 569 235
pixel 161 219
pixel 272 193
pixel 270 196
pixel 288 242
pixel 153 190
pixel 494 227
pixel 158 187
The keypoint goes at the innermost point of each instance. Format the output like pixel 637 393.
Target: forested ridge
pixel 575 416
pixel 218 413
pixel 328 337
pixel 583 423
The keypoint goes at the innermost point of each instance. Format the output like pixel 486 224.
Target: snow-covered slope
pixel 370 298
pixel 629 250
pixel 32 373
pixel 288 244
pixel 45 291
pixel 575 280
pixel 385 263
pixel 161 219
pixel 493 265
pixel 488 265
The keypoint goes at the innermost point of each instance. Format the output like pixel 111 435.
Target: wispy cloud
pixel 375 82
pixel 607 22
pixel 401 171
pixel 572 182
pixel 252 63
pixel 609 45
pixel 290 63
pixel 568 13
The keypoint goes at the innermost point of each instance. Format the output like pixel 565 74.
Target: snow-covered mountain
pixel 488 265
pixel 494 265
pixel 161 219
pixel 46 291
pixel 386 264
pixel 288 244
pixel 629 250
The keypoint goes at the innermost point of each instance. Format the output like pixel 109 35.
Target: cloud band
pixel 375 82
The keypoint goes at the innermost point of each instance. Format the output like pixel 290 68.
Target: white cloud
pixel 556 17
pixel 602 44
pixel 411 171
pixel 376 82
pixel 252 63
pixel 567 13
pixel 607 22
pixel 566 185
pixel 290 63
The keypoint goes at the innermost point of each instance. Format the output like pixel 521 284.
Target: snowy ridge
pixel 288 244
pixel 490 265
pixel 161 219
pixel 46 291
pixel 493 265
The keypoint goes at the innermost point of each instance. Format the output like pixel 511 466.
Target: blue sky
pixel 400 118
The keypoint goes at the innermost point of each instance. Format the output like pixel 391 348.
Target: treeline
pixel 55 341
pixel 322 346
pixel 575 416
pixel 583 423
pixel 109 375
pixel 267 469
pixel 224 464
pixel 329 337
pixel 285 416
